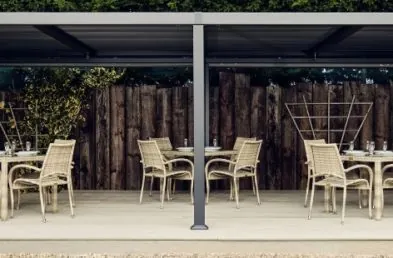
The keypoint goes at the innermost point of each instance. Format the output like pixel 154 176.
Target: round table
pixel 378 180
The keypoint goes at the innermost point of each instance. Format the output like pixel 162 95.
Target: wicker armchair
pixel 307 148
pixel 164 144
pixel 387 182
pixel 244 166
pixel 328 171
pixel 155 166
pixel 55 170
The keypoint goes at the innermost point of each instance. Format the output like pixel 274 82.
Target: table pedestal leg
pixel 378 190
pixel 4 191
pixel 327 198
pixel 54 198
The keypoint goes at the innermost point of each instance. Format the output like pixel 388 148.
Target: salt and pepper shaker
pixel 13 147
pixel 367 145
pixel 371 148
pixel 351 146
pixel 28 146
pixel 185 142
pixel 215 142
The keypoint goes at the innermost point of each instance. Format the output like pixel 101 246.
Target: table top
pixel 368 158
pixel 22 158
pixel 207 153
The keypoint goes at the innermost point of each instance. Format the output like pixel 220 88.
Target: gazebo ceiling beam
pixel 332 38
pixel 66 39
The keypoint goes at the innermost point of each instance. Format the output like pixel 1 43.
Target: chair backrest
pixel 326 160
pixel 163 143
pixel 58 159
pixel 240 140
pixel 248 155
pixel 151 155
pixel 307 148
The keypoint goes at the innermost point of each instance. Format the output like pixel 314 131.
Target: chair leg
pixel 143 184
pixel 12 202
pixel 231 190
pixel 344 201
pixel 151 186
pixel 70 199
pixel 168 192
pixel 18 201
pixel 192 190
pixel 253 186
pixel 307 190
pixel 207 190
pixel 71 189
pixel 360 198
pixel 41 190
pixel 334 202
pixel 173 186
pixel 311 198
pixel 370 193
pixel 256 189
pixel 163 192
pixel 236 192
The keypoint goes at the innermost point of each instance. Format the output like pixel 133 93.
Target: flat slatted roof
pixel 150 39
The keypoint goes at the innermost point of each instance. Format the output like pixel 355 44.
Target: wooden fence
pixel 107 155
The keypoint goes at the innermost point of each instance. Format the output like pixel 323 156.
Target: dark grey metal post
pixel 207 105
pixel 199 127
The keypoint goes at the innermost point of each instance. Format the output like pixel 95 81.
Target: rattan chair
pixel 307 148
pixel 55 170
pixel 387 182
pixel 164 144
pixel 328 171
pixel 155 166
pixel 244 166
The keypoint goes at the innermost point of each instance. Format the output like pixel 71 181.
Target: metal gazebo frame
pixel 201 40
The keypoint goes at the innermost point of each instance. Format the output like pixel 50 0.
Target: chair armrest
pixel 180 160
pixel 14 168
pixel 369 170
pixel 230 162
pixel 386 168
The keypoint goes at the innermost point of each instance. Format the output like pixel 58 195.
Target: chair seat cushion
pixel 22 183
pixel 358 183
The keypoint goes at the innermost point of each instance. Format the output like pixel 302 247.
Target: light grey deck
pixel 104 215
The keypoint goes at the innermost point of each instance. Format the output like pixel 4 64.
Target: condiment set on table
pixel 215 146
pixel 370 150
pixel 10 150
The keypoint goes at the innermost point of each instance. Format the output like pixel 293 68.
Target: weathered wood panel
pixel 102 139
pixel 320 95
pixel 190 115
pixel 179 115
pixel 214 114
pixel 164 112
pixel 148 111
pixel 273 141
pixel 352 89
pixel 259 130
pixel 117 144
pixel 289 178
pixel 367 93
pixel 227 109
pixel 303 91
pixel 242 105
pixel 133 133
pixel 381 125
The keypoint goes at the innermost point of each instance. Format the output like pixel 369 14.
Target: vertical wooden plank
pixel 179 115
pixel 148 111
pixel 367 94
pixel 214 114
pixel 289 141
pixel 102 139
pixel 164 112
pixel 133 133
pixel 273 143
pixel 320 93
pixel 227 108
pixel 381 120
pixel 351 89
pixel 258 128
pixel 337 95
pixel 242 105
pixel 117 127
pixel 303 89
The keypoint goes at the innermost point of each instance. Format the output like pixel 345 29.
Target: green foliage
pixel 56 97
pixel 199 5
